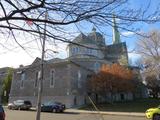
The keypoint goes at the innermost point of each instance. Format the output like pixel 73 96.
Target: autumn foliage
pixel 112 78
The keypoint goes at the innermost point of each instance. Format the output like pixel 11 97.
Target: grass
pixel 130 106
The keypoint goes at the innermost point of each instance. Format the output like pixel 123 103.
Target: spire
pixel 94 29
pixel 116 35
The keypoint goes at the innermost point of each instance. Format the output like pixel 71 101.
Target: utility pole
pixel 42 73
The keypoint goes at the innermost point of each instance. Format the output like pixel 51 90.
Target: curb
pixel 107 113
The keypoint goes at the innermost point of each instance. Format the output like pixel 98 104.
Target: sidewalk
pixel 106 113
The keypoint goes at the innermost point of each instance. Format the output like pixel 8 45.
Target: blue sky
pixel 18 56
pixel 126 36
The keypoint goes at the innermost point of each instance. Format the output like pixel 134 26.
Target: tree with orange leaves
pixel 112 78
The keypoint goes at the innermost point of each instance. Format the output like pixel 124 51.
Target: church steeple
pixel 115 34
pixel 94 29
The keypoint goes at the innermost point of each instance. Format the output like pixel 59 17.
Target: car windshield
pixel 58 103
pixel 47 103
pixel 18 101
pixel 51 103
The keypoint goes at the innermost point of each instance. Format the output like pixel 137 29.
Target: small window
pixel 89 51
pixel 75 50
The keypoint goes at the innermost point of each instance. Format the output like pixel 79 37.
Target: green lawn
pixel 132 106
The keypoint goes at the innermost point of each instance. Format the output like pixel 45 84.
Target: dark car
pixel 52 107
pixel 20 105
pixel 2 113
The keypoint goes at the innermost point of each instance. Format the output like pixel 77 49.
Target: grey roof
pixel 55 60
pixel 97 34
pixel 81 38
pixel 92 38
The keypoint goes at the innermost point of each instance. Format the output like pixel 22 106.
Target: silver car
pixel 20 105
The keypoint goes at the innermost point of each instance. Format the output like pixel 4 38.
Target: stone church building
pixel 65 79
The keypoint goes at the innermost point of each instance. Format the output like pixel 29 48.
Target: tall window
pixel 96 66
pixel 52 78
pixel 79 79
pixel 22 80
pixel 38 75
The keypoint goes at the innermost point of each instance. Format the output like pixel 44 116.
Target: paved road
pixel 30 115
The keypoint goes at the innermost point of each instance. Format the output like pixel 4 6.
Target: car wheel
pixel 54 110
pixel 156 117
pixel 61 111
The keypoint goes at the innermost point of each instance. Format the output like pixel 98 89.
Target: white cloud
pixel 128 33
pixel 133 56
pixel 19 56
pixel 12 59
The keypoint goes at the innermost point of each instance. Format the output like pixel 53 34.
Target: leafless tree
pixel 149 49
pixel 27 15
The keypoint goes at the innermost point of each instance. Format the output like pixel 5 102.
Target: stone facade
pixel 68 83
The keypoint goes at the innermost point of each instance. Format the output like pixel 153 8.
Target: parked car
pixel 52 107
pixel 20 105
pixel 2 113
pixel 153 113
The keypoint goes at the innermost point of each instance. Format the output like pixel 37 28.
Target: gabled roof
pixel 36 61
